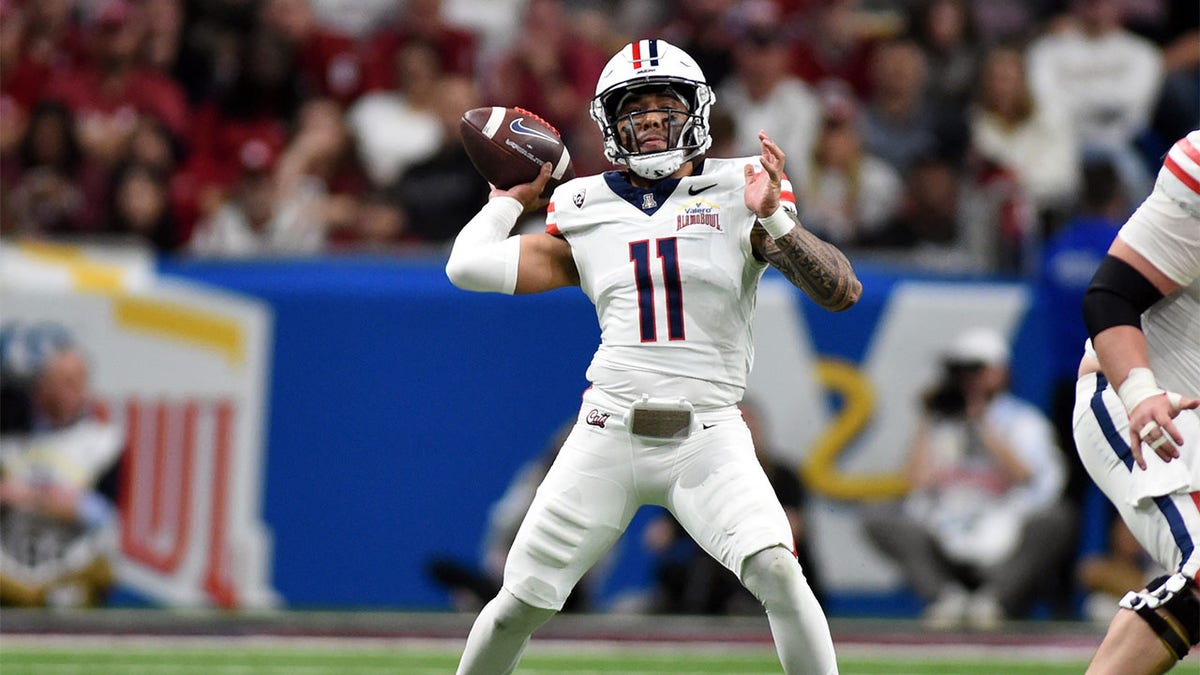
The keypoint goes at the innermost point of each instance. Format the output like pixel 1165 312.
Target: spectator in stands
pixel 1036 143
pixel 328 63
pixel 18 87
pixel 767 96
pixel 423 20
pixel 163 44
pixel 548 68
pixel 395 128
pixel 382 226
pixel 1069 259
pixel 57 485
pixel 689 581
pixel 1105 79
pixel 356 19
pixel 945 31
pixel 1107 576
pixel 47 196
pixel 443 192
pixel 472 586
pixel 900 122
pixel 1012 21
pixel 211 51
pixel 53 40
pixel 983 522
pixel 833 44
pixel 245 122
pixel 702 29
pixel 848 195
pixel 109 93
pixel 141 207
pixel 1177 113
pixel 282 204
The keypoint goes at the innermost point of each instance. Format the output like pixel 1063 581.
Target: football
pixel 509 145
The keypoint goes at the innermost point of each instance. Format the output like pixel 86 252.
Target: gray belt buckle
pixel 660 419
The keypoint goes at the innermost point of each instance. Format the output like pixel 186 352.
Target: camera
pixel 948 397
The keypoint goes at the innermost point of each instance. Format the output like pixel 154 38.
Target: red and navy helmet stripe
pixel 645 52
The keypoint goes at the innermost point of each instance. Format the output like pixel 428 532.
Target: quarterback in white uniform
pixel 670 251
pixel 1138 379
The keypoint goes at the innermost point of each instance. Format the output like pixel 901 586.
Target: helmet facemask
pixel 687 130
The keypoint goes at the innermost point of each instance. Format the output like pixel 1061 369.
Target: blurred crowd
pixel 949 134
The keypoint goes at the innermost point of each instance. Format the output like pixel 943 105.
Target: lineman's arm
pixel 814 266
pixel 486 258
pixel 1121 345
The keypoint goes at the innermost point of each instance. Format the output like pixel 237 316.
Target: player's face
pixel 651 122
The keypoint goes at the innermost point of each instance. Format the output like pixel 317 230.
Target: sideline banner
pixel 401 407
pixel 183 370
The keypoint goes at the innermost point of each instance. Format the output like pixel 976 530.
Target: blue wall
pixel 400 407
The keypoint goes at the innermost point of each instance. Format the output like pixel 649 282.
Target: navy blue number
pixel 667 250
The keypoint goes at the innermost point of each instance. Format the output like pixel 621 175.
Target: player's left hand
pixel 764 187
pixel 1152 423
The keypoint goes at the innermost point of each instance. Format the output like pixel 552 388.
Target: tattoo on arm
pixel 814 266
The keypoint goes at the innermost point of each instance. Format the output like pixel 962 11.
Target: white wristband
pixel 1138 386
pixel 777 224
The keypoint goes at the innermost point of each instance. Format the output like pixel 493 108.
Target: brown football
pixel 509 145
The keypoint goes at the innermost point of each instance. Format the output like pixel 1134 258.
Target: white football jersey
pixel 1165 230
pixel 1179 176
pixel 673 278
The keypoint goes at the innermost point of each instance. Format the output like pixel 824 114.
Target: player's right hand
pixel 1152 422
pixel 529 194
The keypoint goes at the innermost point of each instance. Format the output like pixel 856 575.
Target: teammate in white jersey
pixel 1142 310
pixel 670 251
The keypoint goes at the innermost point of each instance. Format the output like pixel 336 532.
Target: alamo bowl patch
pixel 699 212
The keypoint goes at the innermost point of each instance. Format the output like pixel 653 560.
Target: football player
pixel 670 250
pixel 1137 437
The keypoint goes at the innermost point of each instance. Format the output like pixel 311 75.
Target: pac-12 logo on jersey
pixel 699 212
pixel 578 198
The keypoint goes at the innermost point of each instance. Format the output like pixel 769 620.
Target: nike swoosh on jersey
pixel 693 190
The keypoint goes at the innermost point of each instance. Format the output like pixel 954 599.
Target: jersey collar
pixel 647 200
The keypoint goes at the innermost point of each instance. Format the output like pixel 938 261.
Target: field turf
pixel 151 657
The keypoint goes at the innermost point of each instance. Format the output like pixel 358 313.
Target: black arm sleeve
pixel 1117 296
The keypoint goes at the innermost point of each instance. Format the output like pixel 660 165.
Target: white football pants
pixel 1167 523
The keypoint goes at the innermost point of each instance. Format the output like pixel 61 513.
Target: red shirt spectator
pixel 549 69
pixel 329 62
pixel 107 95
pixel 225 147
pixel 52 38
pixel 834 47
pixel 422 20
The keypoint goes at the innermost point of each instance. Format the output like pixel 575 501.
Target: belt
pixel 660 419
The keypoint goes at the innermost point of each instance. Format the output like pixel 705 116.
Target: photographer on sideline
pixel 983 527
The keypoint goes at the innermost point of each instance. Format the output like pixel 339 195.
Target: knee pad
pixel 769 573
pixel 1170 607
pixel 513 614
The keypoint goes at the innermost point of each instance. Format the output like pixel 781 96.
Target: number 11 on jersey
pixel 667 250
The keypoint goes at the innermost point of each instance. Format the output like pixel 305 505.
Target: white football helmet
pixel 649 64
